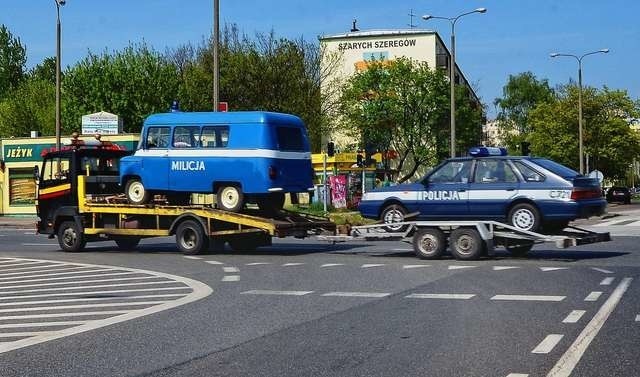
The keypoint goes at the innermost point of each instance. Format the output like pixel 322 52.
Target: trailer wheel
pixel 70 238
pixel 393 213
pixel 190 238
pixel 230 198
pixel 136 192
pixel 127 243
pixel 429 243
pixel 524 216
pixel 519 250
pixel 466 244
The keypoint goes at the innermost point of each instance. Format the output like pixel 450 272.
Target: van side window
pixel 185 136
pixel 214 136
pixel 158 137
pixel 289 139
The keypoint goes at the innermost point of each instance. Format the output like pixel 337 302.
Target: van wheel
pixel 271 203
pixel 70 238
pixel 230 198
pixel 136 192
pixel 190 238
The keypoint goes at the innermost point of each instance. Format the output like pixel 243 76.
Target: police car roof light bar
pixel 487 151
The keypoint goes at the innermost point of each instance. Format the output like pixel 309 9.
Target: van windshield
pixel 290 139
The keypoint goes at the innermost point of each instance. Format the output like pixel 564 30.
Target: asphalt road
pixel 307 308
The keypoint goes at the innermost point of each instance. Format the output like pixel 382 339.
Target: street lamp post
pixel 58 4
pixel 452 70
pixel 216 43
pixel 580 120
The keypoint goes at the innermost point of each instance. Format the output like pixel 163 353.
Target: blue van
pixel 242 157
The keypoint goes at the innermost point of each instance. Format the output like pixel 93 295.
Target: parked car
pixel 530 193
pixel 619 194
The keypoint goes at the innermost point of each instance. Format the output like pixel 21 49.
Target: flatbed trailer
pixel 196 227
pixel 468 240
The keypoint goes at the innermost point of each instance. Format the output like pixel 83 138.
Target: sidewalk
pixel 18 222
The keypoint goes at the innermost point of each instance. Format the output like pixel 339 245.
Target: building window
pixel 22 187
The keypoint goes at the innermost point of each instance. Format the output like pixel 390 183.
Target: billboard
pixel 101 123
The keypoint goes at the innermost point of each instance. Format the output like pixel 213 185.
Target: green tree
pixel 132 83
pixel 608 140
pixel 403 106
pixel 31 107
pixel 45 71
pixel 522 93
pixel 13 57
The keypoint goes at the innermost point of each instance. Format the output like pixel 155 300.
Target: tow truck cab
pixel 56 198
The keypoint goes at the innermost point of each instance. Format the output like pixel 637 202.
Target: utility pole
pixel 216 42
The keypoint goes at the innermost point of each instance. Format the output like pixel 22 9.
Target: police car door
pixel 446 191
pixel 492 189
pixel 155 167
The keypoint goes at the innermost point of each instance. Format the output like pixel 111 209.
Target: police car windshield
pixel 556 168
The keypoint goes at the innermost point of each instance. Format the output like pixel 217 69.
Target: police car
pixel 529 193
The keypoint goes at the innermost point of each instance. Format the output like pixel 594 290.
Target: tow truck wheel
pixel 521 249
pixel 393 213
pixel 190 238
pixel 136 193
pixel 230 198
pixel 524 216
pixel 429 243
pixel 70 238
pixel 466 243
pixel 127 243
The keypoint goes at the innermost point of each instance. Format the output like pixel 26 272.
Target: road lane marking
pixel 213 262
pixel 278 293
pixel 62 315
pixel 356 294
pixel 37 272
pixel 42 308
pixel 23 334
pixel 87 287
pixel 410 266
pixel 517 375
pixel 40 244
pixel 546 269
pixel 607 281
pixel 500 268
pixel 602 270
pixel 20 263
pixel 190 257
pixel 527 298
pixel 64 277
pixel 292 264
pixel 548 343
pixel 93 293
pixel 56 274
pixel 231 278
pixel 10 260
pixel 574 316
pixel 230 270
pixel 638 318
pixel 87 299
pixel 331 265
pixel 572 356
pixel 257 263
pixel 445 296
pixel 593 296
pixel 32 268
pixel 3 286
pixel 460 267
pixel 369 265
pixel 41 324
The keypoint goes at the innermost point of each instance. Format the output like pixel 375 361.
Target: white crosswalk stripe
pixel 68 298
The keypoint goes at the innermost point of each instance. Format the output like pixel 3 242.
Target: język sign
pixel 101 123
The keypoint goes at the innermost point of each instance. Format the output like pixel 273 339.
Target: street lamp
pixel 452 70
pixel 216 43
pixel 579 59
pixel 58 4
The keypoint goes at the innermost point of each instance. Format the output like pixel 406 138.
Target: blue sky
pixel 512 37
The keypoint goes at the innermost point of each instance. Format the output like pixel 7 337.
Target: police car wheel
pixel 70 238
pixel 136 192
pixel 524 216
pixel 429 243
pixel 230 198
pixel 191 238
pixel 466 244
pixel 393 213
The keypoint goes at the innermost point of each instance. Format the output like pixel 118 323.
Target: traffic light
pixel 331 149
pixel 524 147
